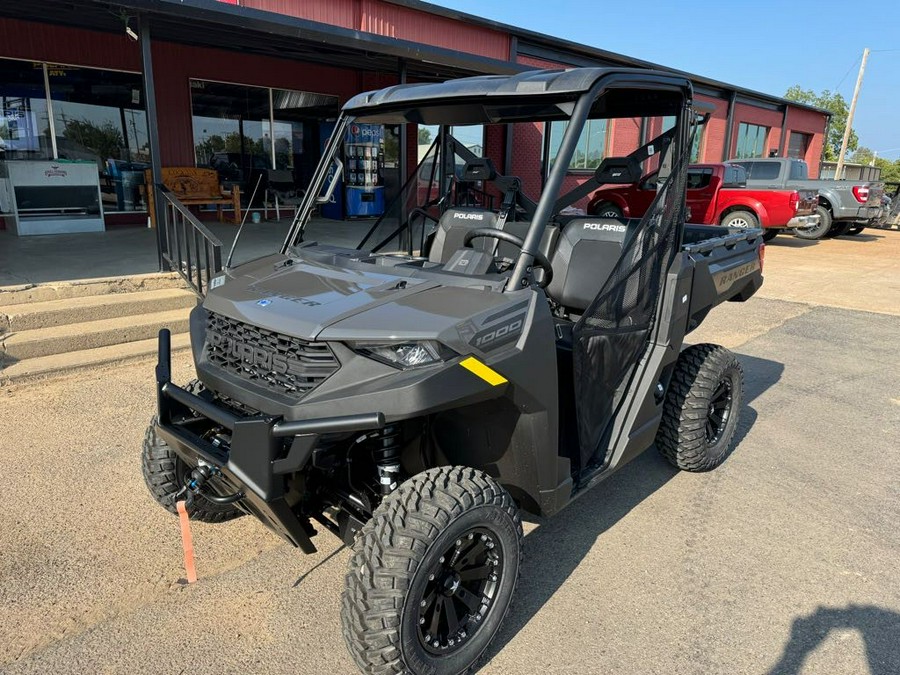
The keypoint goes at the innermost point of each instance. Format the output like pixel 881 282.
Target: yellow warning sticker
pixel 486 373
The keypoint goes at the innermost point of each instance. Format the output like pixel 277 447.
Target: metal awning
pixel 223 26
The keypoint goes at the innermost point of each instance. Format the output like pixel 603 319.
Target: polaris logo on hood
pixel 468 216
pixel 604 227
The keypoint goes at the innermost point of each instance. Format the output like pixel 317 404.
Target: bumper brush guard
pixel 253 460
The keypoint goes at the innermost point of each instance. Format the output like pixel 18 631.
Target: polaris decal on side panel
pixel 468 216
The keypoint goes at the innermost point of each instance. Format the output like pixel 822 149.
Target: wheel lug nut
pixel 471 536
pixel 442 559
pixel 430 577
pixel 459 542
pixel 421 621
pixel 423 603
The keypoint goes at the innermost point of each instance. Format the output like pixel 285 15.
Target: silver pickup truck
pixel 845 207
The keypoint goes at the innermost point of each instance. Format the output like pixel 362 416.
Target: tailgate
pixel 809 200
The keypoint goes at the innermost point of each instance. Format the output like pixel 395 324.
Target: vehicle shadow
pixel 790 241
pixel 861 237
pixel 559 544
pixel 879 628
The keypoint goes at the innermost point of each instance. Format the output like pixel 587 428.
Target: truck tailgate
pixel 809 200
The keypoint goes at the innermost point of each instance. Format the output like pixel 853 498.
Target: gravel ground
pixel 784 560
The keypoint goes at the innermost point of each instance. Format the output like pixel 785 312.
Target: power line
pixel 852 65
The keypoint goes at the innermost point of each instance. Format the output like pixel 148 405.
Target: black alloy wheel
pixel 719 412
pixel 460 592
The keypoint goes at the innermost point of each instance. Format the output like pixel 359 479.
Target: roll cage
pixel 573 96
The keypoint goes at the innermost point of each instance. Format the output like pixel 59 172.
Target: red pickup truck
pixel 716 195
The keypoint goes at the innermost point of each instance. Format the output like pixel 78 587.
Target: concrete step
pixel 27 293
pixel 30 344
pixel 44 367
pixel 33 315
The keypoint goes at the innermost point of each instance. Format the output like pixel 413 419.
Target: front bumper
pixel 803 221
pixel 258 453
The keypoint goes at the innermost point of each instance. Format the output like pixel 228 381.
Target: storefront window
pixel 751 140
pixel 24 124
pixel 73 114
pixel 591 148
pixel 244 131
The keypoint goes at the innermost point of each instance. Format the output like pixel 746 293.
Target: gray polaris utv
pixel 477 354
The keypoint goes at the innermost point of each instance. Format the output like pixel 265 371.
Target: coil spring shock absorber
pixel 386 453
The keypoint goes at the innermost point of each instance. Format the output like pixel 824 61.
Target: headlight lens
pixel 405 354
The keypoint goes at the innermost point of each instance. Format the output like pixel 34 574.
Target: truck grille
pixel 281 363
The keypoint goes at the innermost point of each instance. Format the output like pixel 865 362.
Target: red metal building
pixel 86 80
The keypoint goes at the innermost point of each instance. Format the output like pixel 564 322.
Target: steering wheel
pixel 493 233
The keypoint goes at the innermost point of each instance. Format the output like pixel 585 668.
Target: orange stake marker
pixel 187 542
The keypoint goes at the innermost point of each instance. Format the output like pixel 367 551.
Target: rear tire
pixel 740 219
pixel 607 210
pixel 819 230
pixel 164 473
pixel 855 230
pixel 839 229
pixel 441 550
pixel 702 407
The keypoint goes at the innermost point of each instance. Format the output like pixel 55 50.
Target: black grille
pixel 281 363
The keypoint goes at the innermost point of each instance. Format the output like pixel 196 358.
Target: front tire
pixel 165 473
pixel 819 230
pixel 702 406
pixel 433 574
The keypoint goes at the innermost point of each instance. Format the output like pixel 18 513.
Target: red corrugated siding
pixel 72 46
pixel 394 21
pixel 344 13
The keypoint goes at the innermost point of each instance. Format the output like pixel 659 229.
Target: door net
pixel 612 335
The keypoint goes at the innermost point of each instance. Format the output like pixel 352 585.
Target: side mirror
pixel 332 183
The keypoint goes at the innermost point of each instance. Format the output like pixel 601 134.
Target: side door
pixel 700 194
pixel 642 194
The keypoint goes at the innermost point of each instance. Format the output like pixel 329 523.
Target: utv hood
pixel 304 297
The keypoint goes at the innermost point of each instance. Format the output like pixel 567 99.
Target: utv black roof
pixel 532 87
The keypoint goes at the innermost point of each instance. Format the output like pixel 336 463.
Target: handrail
pixel 189 247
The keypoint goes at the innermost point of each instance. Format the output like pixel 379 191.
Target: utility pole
pixel 839 170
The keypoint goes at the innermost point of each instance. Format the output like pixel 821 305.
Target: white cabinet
pixel 48 197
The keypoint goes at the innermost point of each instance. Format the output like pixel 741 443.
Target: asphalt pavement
pixel 784 560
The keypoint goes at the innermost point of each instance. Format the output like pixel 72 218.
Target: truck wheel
pixel 855 230
pixel 432 574
pixel 769 234
pixel 820 229
pixel 702 407
pixel 607 210
pixel 839 229
pixel 741 219
pixel 164 473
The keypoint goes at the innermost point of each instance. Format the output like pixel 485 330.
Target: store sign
pixel 55 172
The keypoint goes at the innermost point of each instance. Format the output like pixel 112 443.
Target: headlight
pixel 405 354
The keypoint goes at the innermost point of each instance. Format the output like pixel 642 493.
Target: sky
pixel 763 45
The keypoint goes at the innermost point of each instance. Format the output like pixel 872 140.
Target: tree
pixel 834 103
pixel 890 171
pixel 106 140
pixel 424 136
pixel 863 155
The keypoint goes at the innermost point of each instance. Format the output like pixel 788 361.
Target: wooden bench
pixel 194 186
